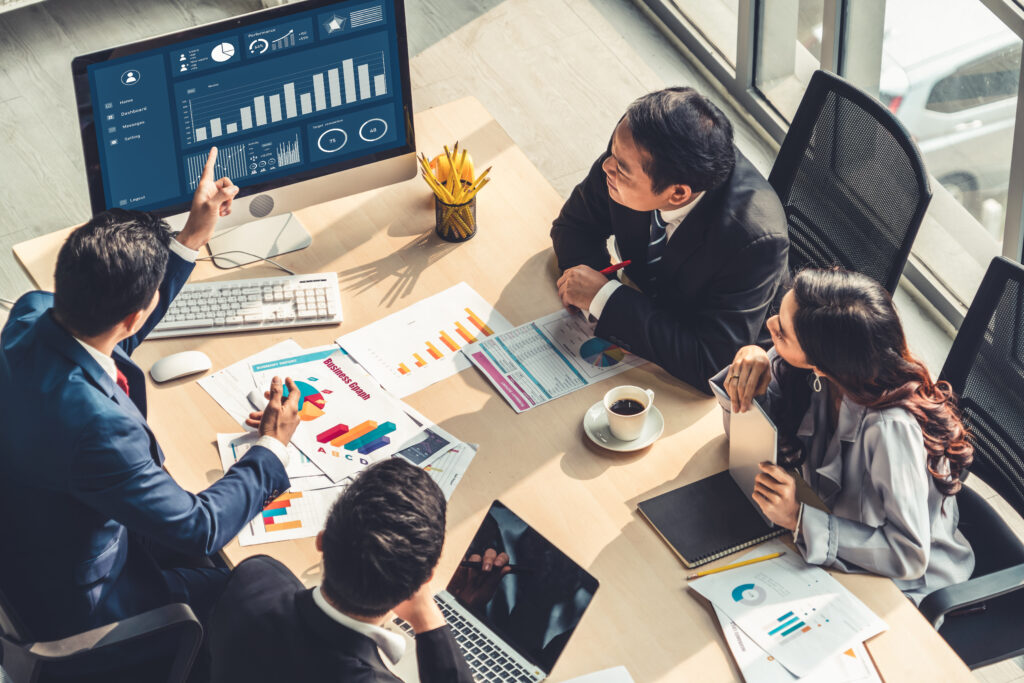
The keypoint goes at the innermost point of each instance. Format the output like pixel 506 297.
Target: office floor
pixel 556 74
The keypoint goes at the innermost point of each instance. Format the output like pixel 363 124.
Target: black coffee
pixel 627 406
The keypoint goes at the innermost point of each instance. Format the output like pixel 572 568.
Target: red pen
pixel 617 267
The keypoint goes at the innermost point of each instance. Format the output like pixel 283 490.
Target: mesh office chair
pixel 106 651
pixel 851 181
pixel 986 369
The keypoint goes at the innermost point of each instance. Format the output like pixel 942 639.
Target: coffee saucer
pixel 595 425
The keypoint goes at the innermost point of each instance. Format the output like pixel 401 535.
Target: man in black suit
pixel 705 232
pixel 380 547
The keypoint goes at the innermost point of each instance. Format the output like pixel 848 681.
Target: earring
pixel 817 384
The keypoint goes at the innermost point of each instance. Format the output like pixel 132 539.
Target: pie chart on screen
pixel 601 353
pixel 223 52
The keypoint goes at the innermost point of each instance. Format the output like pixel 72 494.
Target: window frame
pixel 838 56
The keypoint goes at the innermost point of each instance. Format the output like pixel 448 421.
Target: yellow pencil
pixel 734 565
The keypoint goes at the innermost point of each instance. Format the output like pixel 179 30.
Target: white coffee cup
pixel 628 427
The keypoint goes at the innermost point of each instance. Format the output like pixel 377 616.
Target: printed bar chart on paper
pixel 285 90
pixel 853 665
pixel 795 612
pixel 296 514
pixel 548 358
pixel 422 344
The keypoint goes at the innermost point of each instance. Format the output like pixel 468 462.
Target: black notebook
pixel 707 519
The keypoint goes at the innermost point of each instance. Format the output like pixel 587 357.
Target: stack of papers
pixel 348 421
pixel 794 612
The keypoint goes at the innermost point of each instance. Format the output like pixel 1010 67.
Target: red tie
pixel 122 382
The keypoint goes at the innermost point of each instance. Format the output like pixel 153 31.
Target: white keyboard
pixel 256 304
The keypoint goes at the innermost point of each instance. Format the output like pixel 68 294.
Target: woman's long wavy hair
pixel 848 328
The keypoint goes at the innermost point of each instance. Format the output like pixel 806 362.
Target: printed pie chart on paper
pixel 601 353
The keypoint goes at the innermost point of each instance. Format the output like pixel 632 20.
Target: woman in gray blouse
pixel 874 436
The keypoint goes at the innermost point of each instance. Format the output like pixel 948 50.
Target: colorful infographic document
pixel 796 612
pixel 347 420
pixel 550 357
pixel 419 345
pixel 850 666
pixel 304 475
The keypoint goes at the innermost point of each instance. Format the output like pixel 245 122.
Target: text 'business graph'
pixel 216 108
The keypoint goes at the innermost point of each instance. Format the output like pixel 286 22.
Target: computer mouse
pixel 178 365
pixel 257 399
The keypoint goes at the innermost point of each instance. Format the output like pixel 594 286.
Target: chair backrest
pixel 985 367
pixel 10 624
pixel 851 181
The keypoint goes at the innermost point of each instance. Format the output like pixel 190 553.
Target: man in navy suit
pixel 91 521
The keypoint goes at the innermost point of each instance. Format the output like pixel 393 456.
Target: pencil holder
pixel 455 222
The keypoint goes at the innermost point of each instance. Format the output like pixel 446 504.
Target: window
pixel 716 20
pixel 788 51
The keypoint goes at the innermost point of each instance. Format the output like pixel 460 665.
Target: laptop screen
pixel 536 600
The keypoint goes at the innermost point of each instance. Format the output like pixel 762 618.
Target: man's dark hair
pixel 686 138
pixel 108 269
pixel 383 538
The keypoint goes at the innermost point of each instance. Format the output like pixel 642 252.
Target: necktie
pixel 122 382
pixel 656 247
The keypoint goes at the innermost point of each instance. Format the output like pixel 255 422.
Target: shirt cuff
pixel 184 252
pixel 275 447
pixel 600 299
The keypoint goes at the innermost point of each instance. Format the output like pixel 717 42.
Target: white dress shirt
pixel 110 367
pixel 391 644
pixel 672 220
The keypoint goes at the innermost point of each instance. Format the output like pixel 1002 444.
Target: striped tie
pixel 656 247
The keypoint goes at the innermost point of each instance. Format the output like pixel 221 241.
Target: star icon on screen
pixel 334 24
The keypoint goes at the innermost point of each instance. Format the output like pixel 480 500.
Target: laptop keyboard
pixel 485 657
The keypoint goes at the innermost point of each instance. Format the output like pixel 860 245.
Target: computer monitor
pixel 306 103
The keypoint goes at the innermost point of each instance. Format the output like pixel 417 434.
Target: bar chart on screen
pixel 421 344
pixel 263 155
pixel 285 89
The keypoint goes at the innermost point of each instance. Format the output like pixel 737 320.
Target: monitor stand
pixel 262 238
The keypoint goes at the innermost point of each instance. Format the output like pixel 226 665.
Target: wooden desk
pixel 539 463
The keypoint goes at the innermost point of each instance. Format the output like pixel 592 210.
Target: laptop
pixel 753 439
pixel 513 627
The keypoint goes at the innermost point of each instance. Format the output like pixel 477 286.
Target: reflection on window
pixel 717 21
pixel 989 79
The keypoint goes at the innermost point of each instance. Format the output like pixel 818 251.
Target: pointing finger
pixel 211 161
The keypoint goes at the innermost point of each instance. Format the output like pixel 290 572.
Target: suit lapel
pixel 136 379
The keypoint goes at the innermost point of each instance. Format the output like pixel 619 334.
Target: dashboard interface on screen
pixel 286 97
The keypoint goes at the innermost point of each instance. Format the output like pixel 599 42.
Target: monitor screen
pixel 537 602
pixel 286 95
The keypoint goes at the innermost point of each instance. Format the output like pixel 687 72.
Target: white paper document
pixel 616 674
pixel 550 357
pixel 230 387
pixel 448 469
pixel 421 344
pixel 794 611
pixel 304 475
pixel 295 514
pixel 850 666
pixel 347 421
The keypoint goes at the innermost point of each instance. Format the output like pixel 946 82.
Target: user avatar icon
pixel 184 67
pixel 130 77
